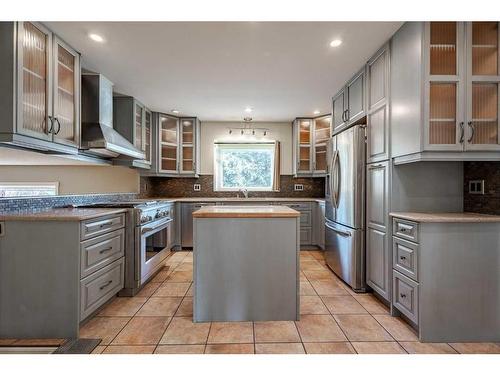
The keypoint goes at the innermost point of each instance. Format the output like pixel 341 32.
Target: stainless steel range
pixel 148 241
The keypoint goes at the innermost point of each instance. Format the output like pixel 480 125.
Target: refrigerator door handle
pixel 333 173
pixel 337 179
pixel 341 232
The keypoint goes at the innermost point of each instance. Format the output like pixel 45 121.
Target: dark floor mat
pixel 78 346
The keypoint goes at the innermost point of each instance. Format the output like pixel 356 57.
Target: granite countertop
pixel 245 212
pixel 234 199
pixel 447 217
pixel 60 214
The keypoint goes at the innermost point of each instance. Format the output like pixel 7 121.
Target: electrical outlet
pixel 476 187
pixel 197 187
pixel 298 187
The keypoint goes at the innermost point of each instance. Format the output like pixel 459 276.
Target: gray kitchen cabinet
pixel 310 136
pixel 175 146
pixel 59 275
pixel 444 91
pixel 306 221
pixel 40 75
pixel 319 225
pixel 349 104
pixel 131 119
pixel 377 128
pixel 378 270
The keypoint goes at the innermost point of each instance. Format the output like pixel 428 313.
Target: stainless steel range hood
pixel 98 136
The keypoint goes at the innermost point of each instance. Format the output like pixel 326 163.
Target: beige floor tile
pixel 311 265
pixel 105 329
pixel 343 305
pixel 397 327
pixel 378 348
pixel 177 256
pixel 302 277
pixel 323 274
pixel 190 291
pixel 180 276
pixel 123 306
pixel 306 289
pixel 319 328
pixel 328 287
pixel 231 333
pixel 477 347
pixel 185 267
pixel 169 289
pixel 186 307
pixel 182 330
pixel 229 349
pixel 180 349
pixel 413 347
pixel 148 290
pixel 312 305
pixel 162 275
pixel 318 254
pixel 305 255
pixel 6 342
pixel 98 349
pixel 362 328
pixel 129 349
pixel 142 330
pixel 371 303
pixel 39 342
pixel 279 331
pixel 281 348
pixel 329 348
pixel 160 306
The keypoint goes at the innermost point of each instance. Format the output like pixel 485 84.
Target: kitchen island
pixel 246 263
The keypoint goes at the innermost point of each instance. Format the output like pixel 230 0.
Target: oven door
pixel 154 244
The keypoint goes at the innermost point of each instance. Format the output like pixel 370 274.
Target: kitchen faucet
pixel 243 191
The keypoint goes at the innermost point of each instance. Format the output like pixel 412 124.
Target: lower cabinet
pixel 377 262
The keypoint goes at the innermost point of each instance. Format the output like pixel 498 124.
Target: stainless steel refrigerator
pixel 345 206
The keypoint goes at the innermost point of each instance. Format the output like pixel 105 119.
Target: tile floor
pixel 333 320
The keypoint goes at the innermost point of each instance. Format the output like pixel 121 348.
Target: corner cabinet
pixel 175 145
pixel 133 121
pixel 310 138
pixel 349 104
pixel 40 89
pixel 445 91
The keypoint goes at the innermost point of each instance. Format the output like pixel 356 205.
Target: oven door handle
pixel 150 229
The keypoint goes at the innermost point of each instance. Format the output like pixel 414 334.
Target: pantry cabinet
pixel 310 138
pixel 40 89
pixel 444 91
pixel 349 104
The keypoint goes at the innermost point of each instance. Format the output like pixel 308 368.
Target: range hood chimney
pixel 98 136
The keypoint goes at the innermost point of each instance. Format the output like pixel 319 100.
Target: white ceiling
pixel 214 70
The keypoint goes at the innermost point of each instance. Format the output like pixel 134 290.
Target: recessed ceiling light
pixel 96 38
pixel 335 43
pixel 248 109
pixel 316 112
pixel 175 111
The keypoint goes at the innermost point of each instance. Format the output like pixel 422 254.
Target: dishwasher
pixel 187 210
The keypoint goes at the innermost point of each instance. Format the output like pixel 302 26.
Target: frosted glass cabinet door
pixel 66 94
pixel 148 135
pixel 304 130
pixel 483 78
pixel 169 135
pixel 187 126
pixel 34 98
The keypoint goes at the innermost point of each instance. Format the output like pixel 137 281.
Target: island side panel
pixel 459 282
pixel 246 269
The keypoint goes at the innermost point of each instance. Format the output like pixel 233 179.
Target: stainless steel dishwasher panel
pixel 187 210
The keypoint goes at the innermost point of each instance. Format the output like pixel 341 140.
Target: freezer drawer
pixel 344 253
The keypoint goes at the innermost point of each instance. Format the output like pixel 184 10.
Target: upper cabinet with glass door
pixel 40 89
pixel 310 137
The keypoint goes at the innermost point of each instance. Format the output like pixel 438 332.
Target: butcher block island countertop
pixel 245 212
pixel 246 263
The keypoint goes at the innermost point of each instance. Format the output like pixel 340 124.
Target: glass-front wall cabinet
pixel 304 160
pixel 311 136
pixel 187 145
pixel 148 120
pixel 169 135
pixel 322 133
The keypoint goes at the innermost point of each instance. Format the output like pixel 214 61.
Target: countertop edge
pixel 446 217
pixel 62 214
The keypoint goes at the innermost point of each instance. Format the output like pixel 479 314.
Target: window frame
pixel 243 145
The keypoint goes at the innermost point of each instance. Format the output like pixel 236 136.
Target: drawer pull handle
pixel 106 249
pixel 402 257
pixel 402 295
pixel 105 285
pixel 105 225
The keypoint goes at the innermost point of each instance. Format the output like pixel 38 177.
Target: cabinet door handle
pixel 347 114
pixel 402 295
pixel 105 285
pixel 462 132
pixel 51 119
pixel 58 125
pixel 471 126
pixel 402 257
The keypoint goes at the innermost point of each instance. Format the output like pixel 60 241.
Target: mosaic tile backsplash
pixel 159 187
pixel 44 203
pixel 489 202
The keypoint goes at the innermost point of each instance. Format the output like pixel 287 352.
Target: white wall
pixel 218 131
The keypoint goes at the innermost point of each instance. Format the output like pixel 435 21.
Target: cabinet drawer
pixel 100 251
pixel 405 296
pixel 305 236
pixel 299 206
pixel 306 218
pixel 99 287
pixel 405 229
pixel 405 257
pixel 101 225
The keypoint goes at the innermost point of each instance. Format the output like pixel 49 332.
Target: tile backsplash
pixel 159 187
pixel 489 202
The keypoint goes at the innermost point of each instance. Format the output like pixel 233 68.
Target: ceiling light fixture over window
pixel 335 43
pixel 248 109
pixel 96 38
